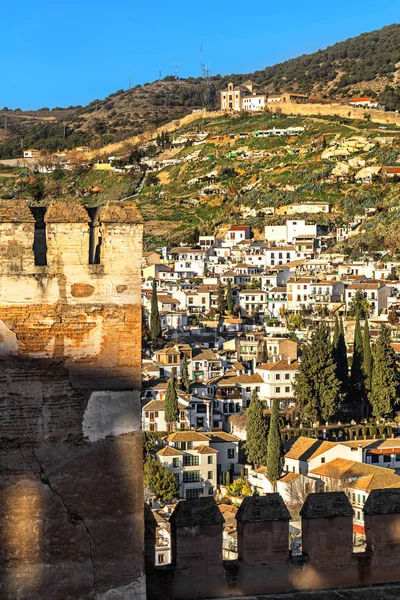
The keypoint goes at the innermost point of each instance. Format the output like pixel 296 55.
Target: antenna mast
pixel 176 70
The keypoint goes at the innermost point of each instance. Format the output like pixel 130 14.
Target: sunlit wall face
pixel 23 507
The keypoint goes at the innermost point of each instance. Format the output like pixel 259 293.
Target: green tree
pixel 171 409
pixel 367 358
pixel 221 303
pixel 160 480
pixel 155 322
pixel 239 487
pixel 185 381
pixel 275 457
pixel 393 319
pixel 295 322
pixel 357 373
pixel 227 478
pixel 340 355
pixel 256 432
pixel 336 332
pixel 359 306
pixel 383 394
pixel 264 353
pixel 229 297
pixel 316 386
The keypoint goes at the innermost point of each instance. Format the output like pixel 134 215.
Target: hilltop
pixel 366 64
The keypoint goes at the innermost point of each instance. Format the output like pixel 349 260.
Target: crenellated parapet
pixel 70 288
pixel 265 564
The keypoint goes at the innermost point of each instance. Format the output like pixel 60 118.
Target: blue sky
pixel 72 52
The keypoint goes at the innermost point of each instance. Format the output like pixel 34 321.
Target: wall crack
pixel 73 516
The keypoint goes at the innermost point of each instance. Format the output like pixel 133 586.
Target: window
pixel 231 453
pixel 287 376
pixel 153 426
pixel 194 493
pixel 161 559
pixel 278 390
pixel 210 475
pixel 287 390
pixel 277 377
pixel 201 408
pixel 211 491
pixel 175 463
pixel 177 478
pixel 191 477
pixel 190 461
pixel 386 459
pixel 322 460
pixel 374 458
pixel 190 445
pixel 210 460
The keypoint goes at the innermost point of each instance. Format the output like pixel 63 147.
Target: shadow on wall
pixel 71 489
pixel 265 565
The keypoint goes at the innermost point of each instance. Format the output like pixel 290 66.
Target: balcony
pixel 228 395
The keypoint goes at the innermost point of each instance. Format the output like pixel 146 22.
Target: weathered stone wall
pixel 265 565
pixel 71 490
pixel 340 110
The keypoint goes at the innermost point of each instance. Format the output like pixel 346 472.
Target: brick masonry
pixel 71 499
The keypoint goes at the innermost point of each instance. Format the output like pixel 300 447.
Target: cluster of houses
pixel 250 348
pixel 249 96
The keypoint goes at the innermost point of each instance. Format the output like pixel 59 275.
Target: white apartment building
pixel 253 301
pixel 280 255
pixel 291 230
pixel 278 377
pixel 254 103
pixel 298 291
pixel 204 365
pixel 276 301
pixel 237 234
pixel 191 459
pixel 376 293
pixel 153 416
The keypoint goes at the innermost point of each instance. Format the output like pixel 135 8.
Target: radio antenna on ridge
pixel 176 70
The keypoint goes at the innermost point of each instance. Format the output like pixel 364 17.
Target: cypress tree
pixel 383 394
pixel 316 385
pixel 336 333
pixel 228 478
pixel 342 366
pixel 393 319
pixel 367 358
pixel 229 297
pixel 185 381
pixel 357 373
pixel 221 304
pixel 155 322
pixel 264 355
pixel 256 432
pixel 275 458
pixel 171 409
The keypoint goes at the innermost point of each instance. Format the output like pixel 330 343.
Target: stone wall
pixel 340 110
pixel 265 564
pixel 71 490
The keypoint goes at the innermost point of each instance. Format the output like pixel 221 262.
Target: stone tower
pixel 71 490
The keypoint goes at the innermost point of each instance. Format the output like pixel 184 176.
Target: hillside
pixel 236 176
pixel 368 63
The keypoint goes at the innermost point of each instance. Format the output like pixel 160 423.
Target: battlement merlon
pixel 67 237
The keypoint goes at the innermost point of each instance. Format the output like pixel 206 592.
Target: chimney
pixel 289 360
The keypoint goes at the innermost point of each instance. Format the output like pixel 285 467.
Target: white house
pixel 376 293
pixel 189 456
pixel 278 377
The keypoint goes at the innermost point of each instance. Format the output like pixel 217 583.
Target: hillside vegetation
pixel 366 64
pixel 245 180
